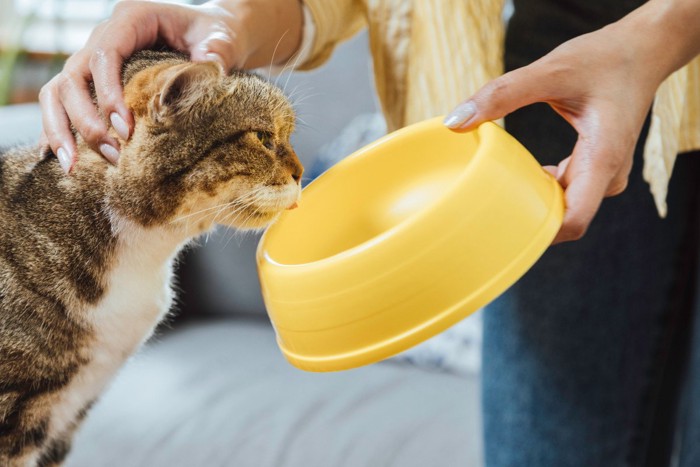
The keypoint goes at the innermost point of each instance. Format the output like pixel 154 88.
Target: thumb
pixel 498 98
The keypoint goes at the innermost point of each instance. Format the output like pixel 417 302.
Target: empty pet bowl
pixel 403 239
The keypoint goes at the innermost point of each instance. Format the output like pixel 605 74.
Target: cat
pixel 86 259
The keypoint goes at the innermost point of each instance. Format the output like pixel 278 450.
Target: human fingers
pixel 56 131
pixel 43 140
pixel 551 170
pixel 75 98
pixel 215 36
pixel 105 69
pixel 591 173
pixel 218 46
pixel 134 25
pixel 247 34
pixel 67 100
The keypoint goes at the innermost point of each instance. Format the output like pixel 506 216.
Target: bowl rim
pixel 394 344
pixel 404 224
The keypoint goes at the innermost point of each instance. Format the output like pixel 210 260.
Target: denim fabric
pixel 585 357
pixel 689 455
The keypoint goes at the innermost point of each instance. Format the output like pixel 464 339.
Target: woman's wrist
pixel 666 33
pixel 273 28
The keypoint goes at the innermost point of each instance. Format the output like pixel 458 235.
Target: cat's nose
pixel 296 173
pixel 296 169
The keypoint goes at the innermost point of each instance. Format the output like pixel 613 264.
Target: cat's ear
pixel 184 86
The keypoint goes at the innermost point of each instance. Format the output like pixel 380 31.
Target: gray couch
pixel 212 389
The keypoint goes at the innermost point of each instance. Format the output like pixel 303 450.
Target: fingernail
pixel 460 115
pixel 110 153
pixel 64 160
pixel 119 125
pixel 216 58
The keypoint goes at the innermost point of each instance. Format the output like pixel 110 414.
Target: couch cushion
pixel 219 393
pixel 19 124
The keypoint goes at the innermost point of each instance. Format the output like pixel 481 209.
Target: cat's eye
pixel 265 138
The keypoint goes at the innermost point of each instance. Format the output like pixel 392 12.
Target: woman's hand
pixel 603 84
pixel 234 33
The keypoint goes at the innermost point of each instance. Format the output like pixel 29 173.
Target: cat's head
pixel 207 147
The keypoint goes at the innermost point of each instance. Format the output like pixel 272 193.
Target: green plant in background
pixel 15 23
pixel 11 55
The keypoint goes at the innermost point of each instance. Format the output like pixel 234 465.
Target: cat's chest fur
pixel 137 297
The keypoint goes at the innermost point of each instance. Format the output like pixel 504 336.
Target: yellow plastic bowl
pixel 403 239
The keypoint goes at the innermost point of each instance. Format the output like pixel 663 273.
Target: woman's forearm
pixel 666 32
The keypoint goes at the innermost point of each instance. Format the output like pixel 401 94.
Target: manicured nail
pixel 110 153
pixel 460 115
pixel 119 125
pixel 216 58
pixel 64 160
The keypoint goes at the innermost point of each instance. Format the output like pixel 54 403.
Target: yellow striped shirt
pixel 429 55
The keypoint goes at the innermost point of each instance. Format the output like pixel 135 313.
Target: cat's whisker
pixel 229 233
pixel 286 69
pixel 272 60
pixel 293 92
pixel 228 221
pixel 252 198
pixel 237 209
pixel 180 218
pixel 302 123
pixel 303 120
pixel 201 216
pixel 297 89
pixel 232 234
pixel 280 74
pixel 241 204
pixel 297 103
pixel 247 198
pixel 218 213
pixel 299 106
pixel 243 221
pixel 248 202
pixel 296 62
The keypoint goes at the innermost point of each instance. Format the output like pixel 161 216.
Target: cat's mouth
pixel 262 211
pixel 254 218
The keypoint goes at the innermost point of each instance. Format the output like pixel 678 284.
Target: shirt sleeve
pixel 332 21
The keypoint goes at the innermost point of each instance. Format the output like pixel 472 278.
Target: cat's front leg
pixel 28 457
pixel 55 452
pixel 26 437
pixel 21 437
pixel 51 454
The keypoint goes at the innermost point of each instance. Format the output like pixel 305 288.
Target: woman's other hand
pixel 603 84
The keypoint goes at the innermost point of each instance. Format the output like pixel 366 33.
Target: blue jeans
pixel 593 357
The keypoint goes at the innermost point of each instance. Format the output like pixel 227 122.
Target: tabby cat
pixel 86 259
